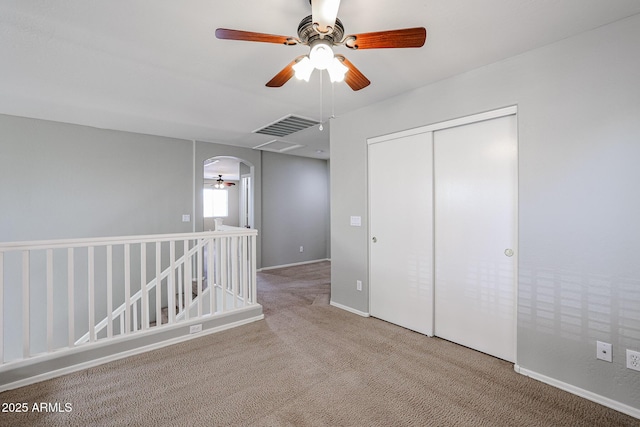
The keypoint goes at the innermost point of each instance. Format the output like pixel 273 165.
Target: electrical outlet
pixel 359 285
pixel 604 351
pixel 301 248
pixel 633 360
pixel 194 329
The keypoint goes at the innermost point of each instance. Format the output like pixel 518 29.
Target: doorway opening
pixel 228 192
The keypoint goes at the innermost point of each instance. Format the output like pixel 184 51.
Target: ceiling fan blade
pixel 354 78
pixel 284 75
pixel 407 37
pixel 249 36
pixel 324 13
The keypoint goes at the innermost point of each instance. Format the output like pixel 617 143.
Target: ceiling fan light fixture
pixel 321 55
pixel 321 31
pixel 219 183
pixel 303 69
pixel 337 70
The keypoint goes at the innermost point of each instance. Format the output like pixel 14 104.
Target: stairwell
pixel 164 313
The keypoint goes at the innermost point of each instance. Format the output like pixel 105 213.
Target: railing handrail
pixel 117 240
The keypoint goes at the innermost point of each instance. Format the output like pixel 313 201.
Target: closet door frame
pixel 488 115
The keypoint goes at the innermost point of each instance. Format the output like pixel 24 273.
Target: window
pixel 216 203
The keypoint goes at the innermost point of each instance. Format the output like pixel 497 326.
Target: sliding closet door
pixel 475 235
pixel 401 231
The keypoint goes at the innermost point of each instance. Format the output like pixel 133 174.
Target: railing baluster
pixel 245 271
pixel 218 272
pixel 199 276
pixel 180 299
pixel 91 286
pixel 212 290
pixel 254 288
pixel 234 270
pixel 25 306
pixel 49 300
pixel 127 288
pixel 143 286
pixel 224 257
pixel 171 292
pixel 109 291
pixel 158 287
pixel 135 316
pixel 122 323
pixel 70 298
pixel 188 281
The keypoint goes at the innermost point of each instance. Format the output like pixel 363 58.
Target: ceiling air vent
pixel 277 146
pixel 286 126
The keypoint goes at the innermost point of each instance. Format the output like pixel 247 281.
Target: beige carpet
pixel 308 364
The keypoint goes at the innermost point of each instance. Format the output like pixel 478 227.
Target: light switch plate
pixel 356 221
pixel 186 218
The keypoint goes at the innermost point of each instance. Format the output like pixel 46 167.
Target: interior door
pixel 401 231
pixel 475 181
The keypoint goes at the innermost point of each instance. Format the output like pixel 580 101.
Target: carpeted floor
pixel 307 364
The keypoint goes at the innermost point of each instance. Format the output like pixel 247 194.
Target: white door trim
pixel 474 118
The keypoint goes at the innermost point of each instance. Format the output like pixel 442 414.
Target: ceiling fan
pixel 321 31
pixel 220 183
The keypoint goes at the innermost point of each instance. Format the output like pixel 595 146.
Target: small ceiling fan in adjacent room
pixel 321 31
pixel 221 183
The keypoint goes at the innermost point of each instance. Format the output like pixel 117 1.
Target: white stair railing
pixel 52 292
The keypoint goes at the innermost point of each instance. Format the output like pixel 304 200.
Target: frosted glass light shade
pixel 337 70
pixel 303 69
pixel 321 55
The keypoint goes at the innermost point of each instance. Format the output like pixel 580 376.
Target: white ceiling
pixel 155 67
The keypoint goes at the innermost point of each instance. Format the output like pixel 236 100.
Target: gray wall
pixel 295 202
pixel 66 181
pixel 579 235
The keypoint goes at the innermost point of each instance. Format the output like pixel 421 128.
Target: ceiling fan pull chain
pixel 320 127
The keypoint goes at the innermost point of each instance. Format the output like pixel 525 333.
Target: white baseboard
pixel 605 401
pixel 349 309
pixel 293 264
pixel 122 355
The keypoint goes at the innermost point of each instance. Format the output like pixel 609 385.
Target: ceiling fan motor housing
pixel 308 33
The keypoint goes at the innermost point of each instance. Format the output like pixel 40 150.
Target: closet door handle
pixel 374 240
pixel 508 252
